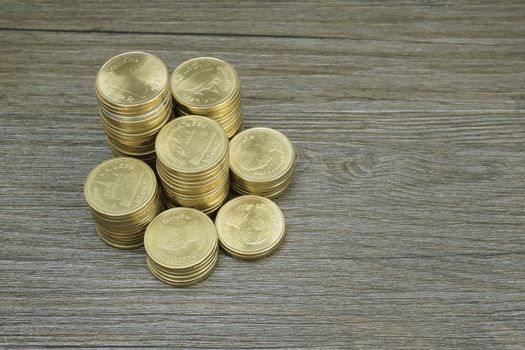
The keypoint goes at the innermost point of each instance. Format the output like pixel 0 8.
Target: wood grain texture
pixel 406 218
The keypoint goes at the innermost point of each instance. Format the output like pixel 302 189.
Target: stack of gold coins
pixel 192 163
pixel 261 162
pixel 134 103
pixel 209 87
pixel 123 196
pixel 181 246
pixel 250 227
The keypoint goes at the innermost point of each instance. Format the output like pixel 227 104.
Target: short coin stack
pixel 192 163
pixel 134 103
pixel 123 196
pixel 209 87
pixel 250 227
pixel 261 162
pixel 181 246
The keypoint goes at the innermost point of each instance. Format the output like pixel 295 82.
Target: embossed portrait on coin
pixel 134 80
pixel 178 239
pixel 258 155
pixel 204 83
pixel 250 225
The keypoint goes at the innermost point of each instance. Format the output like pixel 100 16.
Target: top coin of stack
pixel 209 87
pixel 261 162
pixel 134 103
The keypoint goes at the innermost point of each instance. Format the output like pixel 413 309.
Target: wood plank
pixel 405 221
pixel 474 21
pixel 305 75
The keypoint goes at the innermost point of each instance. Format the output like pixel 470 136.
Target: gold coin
pixel 270 195
pixel 176 181
pixel 137 126
pixel 132 80
pixel 135 146
pixel 268 189
pixel 204 82
pixel 179 238
pixel 199 200
pixel 263 185
pixel 260 155
pixel 120 245
pixel 232 130
pixel 121 240
pixel 120 236
pixel 207 209
pixel 136 117
pixel 206 205
pixel 143 152
pixel 120 186
pixel 218 169
pixel 139 220
pixel 182 282
pixel 250 226
pixel 181 273
pixel 202 191
pixel 144 210
pixel 208 264
pixel 253 257
pixel 191 144
pixel 216 112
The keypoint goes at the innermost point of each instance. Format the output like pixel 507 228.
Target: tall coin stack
pixel 134 103
pixel 123 196
pixel 181 246
pixel 209 87
pixel 261 162
pixel 192 163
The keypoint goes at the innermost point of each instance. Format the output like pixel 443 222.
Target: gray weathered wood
pixel 406 218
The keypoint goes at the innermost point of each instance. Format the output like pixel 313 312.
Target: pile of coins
pixel 192 163
pixel 250 227
pixel 261 162
pixel 134 102
pixel 209 87
pixel 181 246
pixel 123 196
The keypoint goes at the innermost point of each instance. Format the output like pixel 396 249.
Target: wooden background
pixel 406 220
